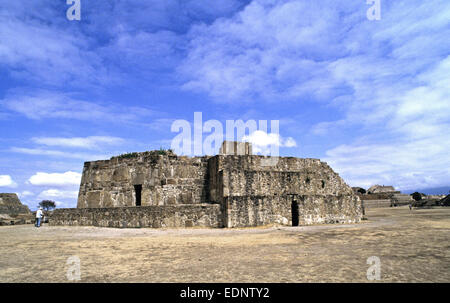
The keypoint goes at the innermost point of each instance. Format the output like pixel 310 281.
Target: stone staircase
pixel 401 199
pixel 368 204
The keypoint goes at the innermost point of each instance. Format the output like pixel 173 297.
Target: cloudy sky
pixel 371 98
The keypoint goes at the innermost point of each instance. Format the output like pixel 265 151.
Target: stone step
pixel 402 198
pixel 376 203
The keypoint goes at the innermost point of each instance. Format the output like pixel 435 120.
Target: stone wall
pixel 311 209
pixel 247 175
pixel 385 200
pixel 165 180
pixel 253 193
pixel 368 204
pixel 173 216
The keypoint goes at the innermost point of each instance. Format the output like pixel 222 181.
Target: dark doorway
pixel 138 190
pixel 294 210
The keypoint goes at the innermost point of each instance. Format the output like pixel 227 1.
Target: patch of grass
pixel 127 156
pixel 161 151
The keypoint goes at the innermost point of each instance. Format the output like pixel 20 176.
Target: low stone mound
pixel 12 211
pixel 381 189
pixel 445 201
pixel 427 203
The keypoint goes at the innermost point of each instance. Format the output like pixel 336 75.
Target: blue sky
pixel 369 97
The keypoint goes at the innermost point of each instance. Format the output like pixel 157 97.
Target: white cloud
pixel 261 141
pixel 159 124
pixel 125 36
pixel 91 142
pixel 269 49
pixel 7 181
pixel 141 48
pixel 423 111
pixel 261 138
pixel 289 142
pixel 57 153
pixel 46 52
pixel 314 49
pixel 404 164
pixel 324 128
pixel 69 178
pixel 25 194
pixel 411 150
pixel 41 104
pixel 56 193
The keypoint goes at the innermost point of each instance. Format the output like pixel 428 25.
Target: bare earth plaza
pixel 413 246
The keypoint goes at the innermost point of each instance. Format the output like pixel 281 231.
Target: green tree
pixel 416 196
pixel 361 190
pixel 47 205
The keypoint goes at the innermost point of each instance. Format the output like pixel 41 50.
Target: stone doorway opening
pixel 294 211
pixel 138 192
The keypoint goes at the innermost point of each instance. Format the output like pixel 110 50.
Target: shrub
pixel 361 190
pixel 416 196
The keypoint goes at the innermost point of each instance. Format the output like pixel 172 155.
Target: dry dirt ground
pixel 413 246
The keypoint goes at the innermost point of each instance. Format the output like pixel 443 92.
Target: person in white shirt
pixel 39 215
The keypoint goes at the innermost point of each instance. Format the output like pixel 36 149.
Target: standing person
pixel 39 215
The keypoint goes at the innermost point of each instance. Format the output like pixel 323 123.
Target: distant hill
pixel 430 191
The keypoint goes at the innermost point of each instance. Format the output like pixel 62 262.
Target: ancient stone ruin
pixel 381 189
pixel 378 196
pixel 232 189
pixel 12 211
